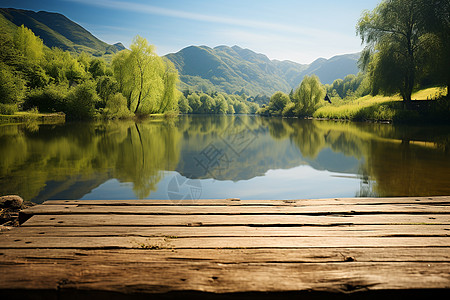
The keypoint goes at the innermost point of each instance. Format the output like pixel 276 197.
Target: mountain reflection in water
pixel 247 157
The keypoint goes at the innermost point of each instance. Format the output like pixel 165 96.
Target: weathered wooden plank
pixel 226 278
pixel 234 210
pixel 239 202
pixel 232 220
pixel 218 242
pixel 273 255
pixel 244 231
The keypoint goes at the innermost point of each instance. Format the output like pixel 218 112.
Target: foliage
pixel 12 87
pixel 434 18
pixel 57 31
pixel 397 46
pixel 308 97
pixel 30 46
pixel 106 86
pixel 116 107
pixel 62 67
pixel 51 98
pixel 388 108
pixel 183 105
pixel 278 102
pixel 233 70
pixel 148 82
pixel 352 86
pixel 81 101
pixel 8 109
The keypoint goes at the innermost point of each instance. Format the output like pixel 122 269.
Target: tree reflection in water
pixel 68 161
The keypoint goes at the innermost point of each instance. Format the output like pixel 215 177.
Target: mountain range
pixel 56 30
pixel 201 68
pixel 234 69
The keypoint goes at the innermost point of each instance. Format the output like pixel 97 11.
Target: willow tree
pixel 145 79
pixel 394 43
pixel 434 18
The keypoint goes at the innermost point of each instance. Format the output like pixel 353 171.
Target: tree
pixel 208 104
pixel 434 18
pixel 221 105
pixel 97 67
pixel 170 96
pixel 183 105
pixel 148 82
pixel 194 102
pixel 12 87
pixel 394 42
pixel 28 44
pixel 241 108
pixel 308 96
pixel 277 103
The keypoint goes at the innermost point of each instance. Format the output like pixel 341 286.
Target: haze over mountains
pixel 201 68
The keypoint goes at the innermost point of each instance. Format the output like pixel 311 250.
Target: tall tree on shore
pixel 309 96
pixel 145 79
pixel 434 18
pixel 394 43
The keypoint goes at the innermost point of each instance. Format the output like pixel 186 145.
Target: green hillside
pixel 233 69
pixel 56 30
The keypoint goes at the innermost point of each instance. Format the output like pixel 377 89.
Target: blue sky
pixel 296 30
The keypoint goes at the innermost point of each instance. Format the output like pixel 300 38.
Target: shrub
pixel 52 98
pixel 116 107
pixel 8 109
pixel 81 101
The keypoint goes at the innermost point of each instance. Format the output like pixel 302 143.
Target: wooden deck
pixel 238 249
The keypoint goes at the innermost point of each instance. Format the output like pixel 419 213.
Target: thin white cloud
pixel 155 10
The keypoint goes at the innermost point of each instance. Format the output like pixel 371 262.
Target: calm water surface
pixel 245 157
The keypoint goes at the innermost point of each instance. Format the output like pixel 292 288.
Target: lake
pixel 210 157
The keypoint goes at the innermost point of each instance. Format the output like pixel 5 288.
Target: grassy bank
pixel 390 108
pixel 23 117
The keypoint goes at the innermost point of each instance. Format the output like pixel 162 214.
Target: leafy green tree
pixel 208 104
pixel 183 105
pixel 97 67
pixel 241 108
pixel 29 45
pixel 309 96
pixel 147 68
pixel 278 102
pixel 170 96
pixel 12 87
pixel 81 101
pixel 106 86
pixel 253 107
pixel 231 110
pixel 394 42
pixel 194 102
pixel 116 107
pixel 51 98
pixel 61 66
pixel 221 105
pixel 145 79
pixel 434 17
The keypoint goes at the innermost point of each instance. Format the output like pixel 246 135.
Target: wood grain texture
pixel 88 220
pixel 219 248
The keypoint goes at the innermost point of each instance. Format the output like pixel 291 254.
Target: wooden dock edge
pixel 340 248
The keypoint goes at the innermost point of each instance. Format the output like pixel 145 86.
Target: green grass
pixel 376 108
pixel 25 116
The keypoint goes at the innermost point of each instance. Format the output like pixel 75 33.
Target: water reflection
pixel 243 152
